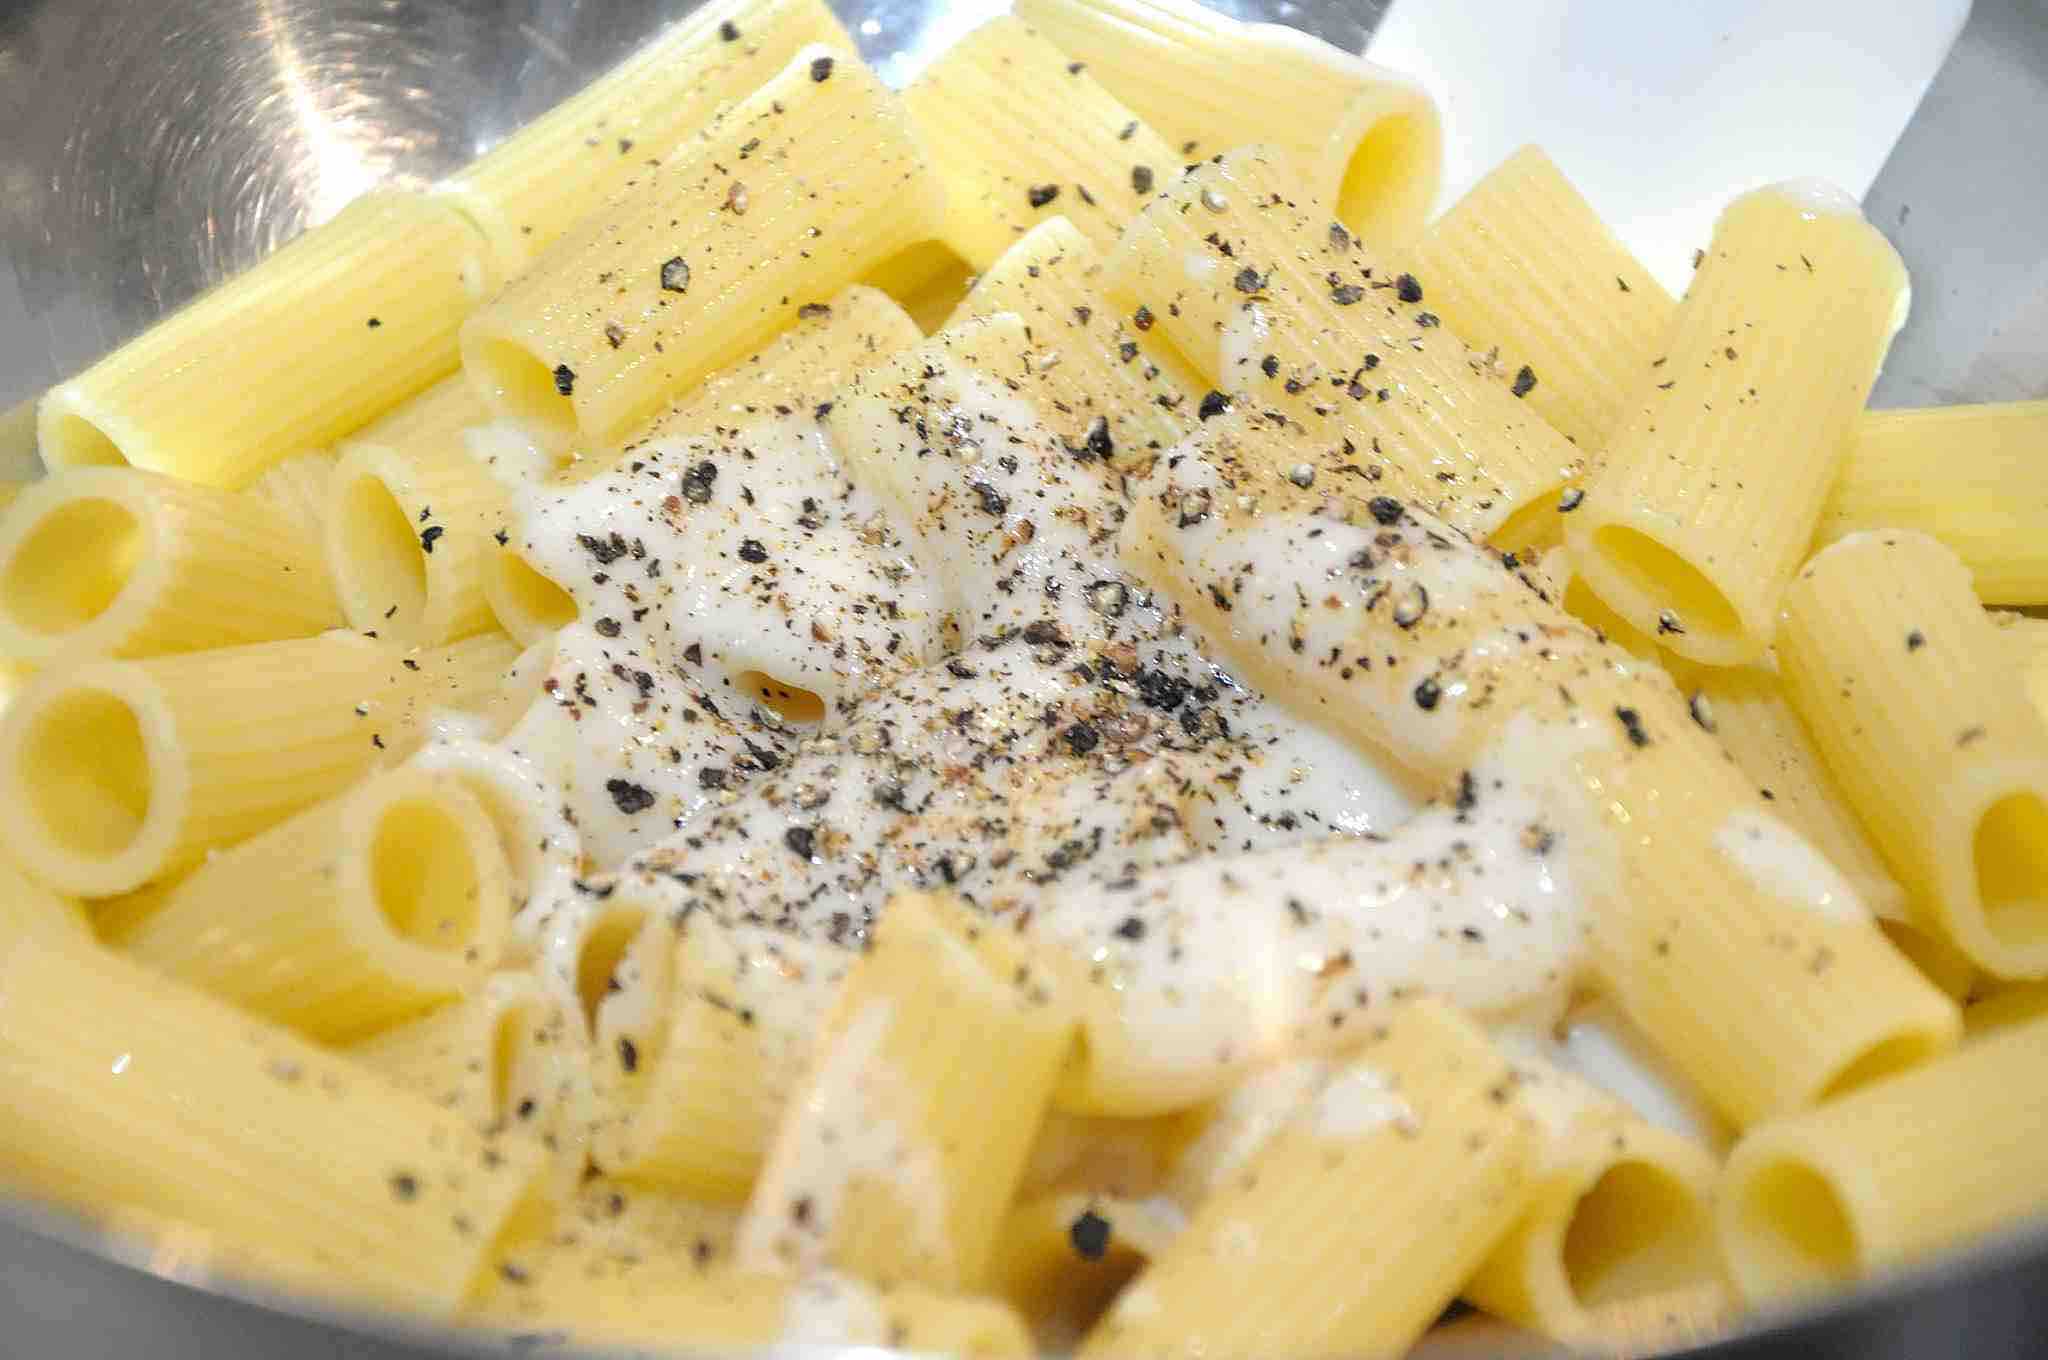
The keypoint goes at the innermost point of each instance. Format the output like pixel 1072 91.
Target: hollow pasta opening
pixel 74 441
pixel 2011 855
pixel 927 280
pixel 791 703
pixel 1389 180
pixel 1792 1229
pixel 527 603
pixel 1663 580
pixel 86 773
pixel 1638 1231
pixel 424 875
pixel 526 385
pixel 1881 1060
pixel 72 566
pixel 378 558
pixel 605 946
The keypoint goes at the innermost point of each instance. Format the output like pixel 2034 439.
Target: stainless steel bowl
pixel 148 148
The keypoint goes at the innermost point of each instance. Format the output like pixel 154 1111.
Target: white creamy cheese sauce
pixel 805 677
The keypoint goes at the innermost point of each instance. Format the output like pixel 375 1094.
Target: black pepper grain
pixel 1090 1236
pixel 821 70
pixel 802 841
pixel 1407 288
pixel 752 551
pixel 429 536
pixel 1632 723
pixel 1038 195
pixel 565 380
pixel 1525 381
pixel 1214 403
pixel 675 275
pixel 628 797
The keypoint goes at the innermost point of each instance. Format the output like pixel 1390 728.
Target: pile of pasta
pixel 261 998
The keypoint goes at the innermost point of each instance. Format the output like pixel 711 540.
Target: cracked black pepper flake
pixel 992 500
pixel 1141 179
pixel 1427 693
pixel 711 777
pixel 675 275
pixel 1131 928
pixel 1345 294
pixel 1038 195
pixel 1915 640
pixel 1412 605
pixel 429 536
pixel 405 1187
pixel 375 323
pixel 752 551
pixel 1386 511
pixel 802 841
pixel 1214 403
pixel 1468 792
pixel 628 797
pixel 1408 288
pixel 629 1054
pixel 1270 365
pixel 729 31
pixel 697 482
pixel 1525 381
pixel 1098 441
pixel 821 70
pixel 605 550
pixel 1668 622
pixel 813 311
pixel 1702 710
pixel 565 380
pixel 1081 738
pixel 614 334
pixel 1142 318
pixel 1632 723
pixel 1340 239
pixel 1248 280
pixel 607 627
pixel 1090 1236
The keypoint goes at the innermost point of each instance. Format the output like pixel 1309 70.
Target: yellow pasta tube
pixel 1020 132
pixel 1526 271
pixel 28 908
pixel 1904 684
pixel 339 326
pixel 699 1112
pixel 1365 139
pixel 121 1087
pixel 508 1056
pixel 1423 1142
pixel 794 193
pixel 797 372
pixel 1967 475
pixel 1932 1158
pixel 1717 928
pixel 355 915
pixel 1620 1218
pixel 1062 1257
pixel 411 518
pixel 905 1142
pixel 1298 322
pixel 1104 383
pixel 100 562
pixel 531 188
pixel 127 771
pixel 1709 490
pixel 525 601
pixel 296 487
pixel 1748 712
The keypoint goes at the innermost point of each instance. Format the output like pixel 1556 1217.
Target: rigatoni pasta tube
pixel 296 487
pixel 356 914
pixel 904 1144
pixel 127 771
pixel 1621 1216
pixel 114 562
pixel 1522 265
pixel 1967 475
pixel 1291 315
pixel 790 196
pixel 1364 138
pixel 411 518
pixel 1419 1137
pixel 1719 930
pixel 1710 489
pixel 544 178
pixel 1104 382
pixel 1019 132
pixel 1889 1175
pixel 526 602
pixel 698 1115
pixel 121 1087
pixel 339 326
pixel 1908 692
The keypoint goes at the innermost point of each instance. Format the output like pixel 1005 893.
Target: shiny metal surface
pixel 150 147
